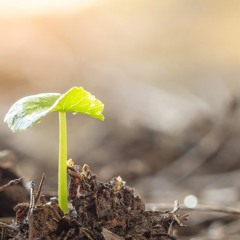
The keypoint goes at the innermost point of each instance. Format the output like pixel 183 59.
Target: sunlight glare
pixel 17 8
pixel 190 201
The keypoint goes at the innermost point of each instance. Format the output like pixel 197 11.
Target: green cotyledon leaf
pixel 30 110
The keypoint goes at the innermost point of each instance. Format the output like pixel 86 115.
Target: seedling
pixel 30 110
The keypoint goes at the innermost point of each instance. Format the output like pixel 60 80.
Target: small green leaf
pixel 30 110
pixel 77 100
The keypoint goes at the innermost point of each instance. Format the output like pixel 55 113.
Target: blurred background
pixel 168 74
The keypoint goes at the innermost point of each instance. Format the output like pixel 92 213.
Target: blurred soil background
pixel 168 74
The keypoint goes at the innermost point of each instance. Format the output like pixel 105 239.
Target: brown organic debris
pixel 100 211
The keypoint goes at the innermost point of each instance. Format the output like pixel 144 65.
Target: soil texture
pixel 98 211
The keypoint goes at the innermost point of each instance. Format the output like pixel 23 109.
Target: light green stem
pixel 62 164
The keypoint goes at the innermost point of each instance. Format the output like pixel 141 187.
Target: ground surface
pixel 99 211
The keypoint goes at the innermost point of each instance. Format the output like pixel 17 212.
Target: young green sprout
pixel 30 110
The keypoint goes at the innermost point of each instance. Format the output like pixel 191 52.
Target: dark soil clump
pixel 100 211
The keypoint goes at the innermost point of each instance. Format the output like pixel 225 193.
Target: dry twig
pixel 199 208
pixel 40 188
pixel 10 184
pixel 30 212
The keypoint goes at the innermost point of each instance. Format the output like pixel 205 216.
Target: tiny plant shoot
pixel 30 110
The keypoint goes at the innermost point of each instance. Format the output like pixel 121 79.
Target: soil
pixel 98 211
